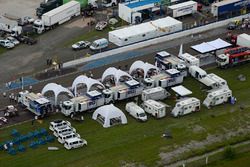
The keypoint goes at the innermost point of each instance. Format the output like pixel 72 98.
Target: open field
pixel 141 143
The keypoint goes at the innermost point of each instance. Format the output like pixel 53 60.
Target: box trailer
pixel 57 16
pixel 182 9
pixel 136 111
pixel 217 97
pixel 243 40
pixel 228 6
pixel 154 108
pixel 157 93
pixel 165 61
pixel 144 31
pixel 186 106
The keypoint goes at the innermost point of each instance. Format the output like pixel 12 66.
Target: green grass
pixel 136 142
pixel 2 50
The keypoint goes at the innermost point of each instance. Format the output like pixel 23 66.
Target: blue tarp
pixel 142 3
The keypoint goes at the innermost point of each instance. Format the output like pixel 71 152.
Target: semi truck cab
pixel 38 26
pixel 222 60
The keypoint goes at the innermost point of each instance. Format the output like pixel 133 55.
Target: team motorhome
pixel 154 108
pixel 186 106
pixel 135 111
pixel 157 93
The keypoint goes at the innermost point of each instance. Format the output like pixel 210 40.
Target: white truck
pixel 182 9
pixel 10 26
pixel 154 108
pixel 57 16
pixel 214 81
pixel 62 137
pixel 243 40
pixel 58 123
pixel 217 97
pixel 36 103
pixel 94 99
pixel 91 100
pixel 189 60
pixel 156 93
pixel 186 106
pixel 135 111
pixel 197 72
pixel 99 44
pixel 165 61
pixel 165 79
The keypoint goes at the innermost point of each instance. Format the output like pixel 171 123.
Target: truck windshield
pixel 142 115
pixel 94 44
pixel 66 107
pixel 220 59
pixel 106 1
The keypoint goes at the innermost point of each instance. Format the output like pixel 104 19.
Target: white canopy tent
pixel 56 89
pixel 109 115
pixel 181 90
pixel 141 65
pixel 117 74
pixel 211 46
pixel 89 82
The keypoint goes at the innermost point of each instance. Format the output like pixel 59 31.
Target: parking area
pixel 19 8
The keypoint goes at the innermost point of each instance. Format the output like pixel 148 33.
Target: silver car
pixel 7 44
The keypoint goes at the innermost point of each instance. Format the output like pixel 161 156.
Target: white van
pixel 65 130
pixel 186 106
pixel 62 137
pixel 157 93
pixel 135 111
pixel 99 44
pixel 74 143
pixel 197 72
pixel 156 109
pixel 59 124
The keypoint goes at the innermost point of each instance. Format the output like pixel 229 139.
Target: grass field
pixel 2 50
pixel 139 143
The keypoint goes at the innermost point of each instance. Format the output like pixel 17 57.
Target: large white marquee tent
pixel 109 115
pixel 141 65
pixel 117 74
pixel 56 89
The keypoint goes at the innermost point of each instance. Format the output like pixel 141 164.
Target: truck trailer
pixel 10 26
pixel 226 7
pixel 233 56
pixel 243 40
pixel 157 93
pixel 182 9
pixel 57 16
pixel 35 103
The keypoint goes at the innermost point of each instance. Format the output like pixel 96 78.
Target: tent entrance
pixel 115 121
pixel 100 119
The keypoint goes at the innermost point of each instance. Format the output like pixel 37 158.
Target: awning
pixel 214 45
pixel 181 90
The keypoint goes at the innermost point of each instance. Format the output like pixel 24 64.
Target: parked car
pixel 81 45
pixel 231 26
pixel 27 40
pixel 7 44
pixel 13 40
pixel 10 111
pixel 113 21
pixel 99 44
pixel 101 25
pixel 25 20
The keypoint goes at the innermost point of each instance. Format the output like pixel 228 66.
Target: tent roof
pixel 111 71
pixel 109 112
pixel 181 90
pixel 140 64
pixel 211 46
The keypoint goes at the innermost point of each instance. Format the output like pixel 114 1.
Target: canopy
pixel 57 89
pixel 107 113
pixel 141 65
pixel 181 90
pixel 211 46
pixel 89 82
pixel 117 74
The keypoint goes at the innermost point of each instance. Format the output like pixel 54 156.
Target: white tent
pixel 57 89
pixel 117 74
pixel 109 115
pixel 89 82
pixel 219 43
pixel 141 65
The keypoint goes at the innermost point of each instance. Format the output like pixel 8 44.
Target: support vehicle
pixel 109 3
pixel 216 97
pixel 63 130
pixel 74 143
pixel 35 103
pixel 186 106
pixel 57 16
pixel 156 93
pixel 58 124
pixel 233 56
pixel 135 111
pixel 214 81
pixel 197 72
pixel 10 111
pixel 99 44
pixel 81 45
pixel 243 40
pixel 165 61
pixel 182 9
pixel 10 26
pixel 7 44
pixel 154 108
pixel 62 137
pixel 189 60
